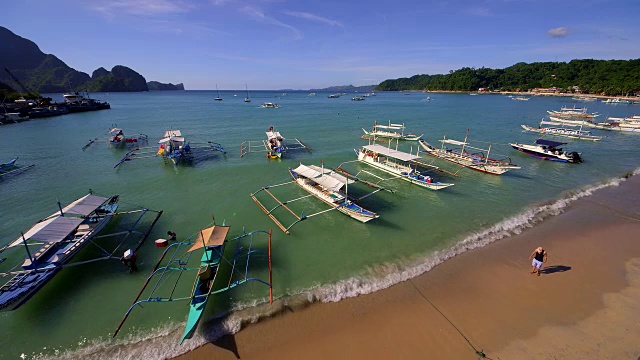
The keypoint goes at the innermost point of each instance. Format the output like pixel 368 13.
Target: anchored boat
pixel 51 243
pixel 213 241
pixel 173 149
pixel 400 164
pixel 562 131
pixel 325 184
pixel 391 131
pixel 549 150
pixel 477 160
pixel 275 145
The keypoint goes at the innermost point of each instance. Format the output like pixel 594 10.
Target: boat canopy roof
pixel 453 142
pixel 170 133
pixel 400 155
pixel 392 126
pixel 85 205
pixel 114 130
pixel 172 138
pixel 327 178
pixel 211 236
pixel 274 135
pixel 549 142
pixel 51 230
pixel 557 123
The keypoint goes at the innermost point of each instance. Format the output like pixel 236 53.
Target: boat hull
pixel 202 289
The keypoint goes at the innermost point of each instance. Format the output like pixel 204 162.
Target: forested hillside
pixel 611 77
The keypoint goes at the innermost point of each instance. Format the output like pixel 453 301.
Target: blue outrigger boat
pixel 174 149
pixel 51 244
pixel 213 240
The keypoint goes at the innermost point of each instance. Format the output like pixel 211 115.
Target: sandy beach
pixel 586 303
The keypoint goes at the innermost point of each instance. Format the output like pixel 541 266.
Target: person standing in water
pixel 539 256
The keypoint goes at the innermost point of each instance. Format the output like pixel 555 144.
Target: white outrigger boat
pixel 475 161
pixel 269 105
pixel 173 149
pixel 325 184
pixel 562 131
pixel 549 150
pixel 573 112
pixel 398 163
pixel 391 131
pixel 116 138
pixel 275 145
pixel 57 239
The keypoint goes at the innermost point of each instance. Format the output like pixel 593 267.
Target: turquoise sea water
pixel 326 258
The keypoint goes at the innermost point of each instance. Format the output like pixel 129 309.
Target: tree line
pixel 609 77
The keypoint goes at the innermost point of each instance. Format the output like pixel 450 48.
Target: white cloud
pixel 558 32
pixel 260 16
pixel 142 7
pixel 311 17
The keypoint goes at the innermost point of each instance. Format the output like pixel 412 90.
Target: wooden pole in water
pixel 270 275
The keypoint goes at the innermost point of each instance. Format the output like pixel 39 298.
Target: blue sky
pixel 278 44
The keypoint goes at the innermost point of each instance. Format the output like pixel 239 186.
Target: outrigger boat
pixel 548 150
pixel 391 131
pixel 58 238
pixel 11 168
pixel 173 149
pixel 398 163
pixel 562 131
pixel 116 138
pixel 213 241
pixel 573 112
pixel 275 145
pixel 325 184
pixel 475 161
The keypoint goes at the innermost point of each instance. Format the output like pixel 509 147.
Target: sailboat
pixel 218 98
pixel 247 98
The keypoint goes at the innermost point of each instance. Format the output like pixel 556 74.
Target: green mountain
pixel 347 88
pixel 611 77
pixel 45 73
pixel 156 86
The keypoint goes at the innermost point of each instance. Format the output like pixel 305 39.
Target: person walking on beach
pixel 539 256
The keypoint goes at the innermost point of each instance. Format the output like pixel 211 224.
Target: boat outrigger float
pixel 328 185
pixel 213 240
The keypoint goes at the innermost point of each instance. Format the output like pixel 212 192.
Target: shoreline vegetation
pixel 581 307
pixel 528 93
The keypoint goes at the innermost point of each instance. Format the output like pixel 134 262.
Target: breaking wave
pixel 160 343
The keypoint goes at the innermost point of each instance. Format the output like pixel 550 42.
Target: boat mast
pixel 60 207
pixel 464 142
pixel 26 247
pixel 486 160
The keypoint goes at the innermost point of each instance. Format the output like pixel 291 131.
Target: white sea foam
pixel 161 343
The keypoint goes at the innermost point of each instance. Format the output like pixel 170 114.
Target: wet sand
pixel 586 304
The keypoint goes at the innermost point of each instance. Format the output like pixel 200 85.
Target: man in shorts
pixel 539 256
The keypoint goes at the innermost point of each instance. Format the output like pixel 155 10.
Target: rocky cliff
pixel 46 73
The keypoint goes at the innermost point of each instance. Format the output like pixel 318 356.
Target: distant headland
pixel 45 73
